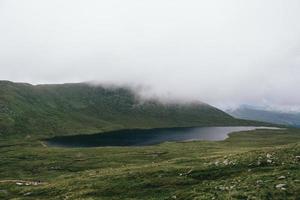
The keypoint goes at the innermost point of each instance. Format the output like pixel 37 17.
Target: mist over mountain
pixel 266 114
pixel 144 99
pixel 225 53
pixel 61 109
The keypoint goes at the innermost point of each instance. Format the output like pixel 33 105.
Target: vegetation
pixel 48 110
pixel 262 164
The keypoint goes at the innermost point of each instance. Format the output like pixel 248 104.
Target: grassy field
pixel 262 164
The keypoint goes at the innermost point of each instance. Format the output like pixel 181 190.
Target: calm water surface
pixel 144 137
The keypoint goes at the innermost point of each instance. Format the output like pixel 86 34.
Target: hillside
pixel 260 164
pixel 276 117
pixel 81 108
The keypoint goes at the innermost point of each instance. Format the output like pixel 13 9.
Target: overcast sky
pixel 224 53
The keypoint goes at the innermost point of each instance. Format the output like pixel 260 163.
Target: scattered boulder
pixel 217 163
pixel 281 186
pixel 226 162
pixel 222 188
pixel 24 183
pixel 281 177
pixel 269 161
pixel 189 172
pixel 258 163
pixel 27 194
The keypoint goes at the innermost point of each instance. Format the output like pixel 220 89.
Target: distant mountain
pixel 82 108
pixel 264 115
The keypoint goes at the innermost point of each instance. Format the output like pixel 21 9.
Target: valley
pixel 246 164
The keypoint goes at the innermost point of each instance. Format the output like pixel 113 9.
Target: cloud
pixel 221 52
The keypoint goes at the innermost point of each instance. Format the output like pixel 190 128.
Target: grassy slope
pixel 45 110
pixel 237 168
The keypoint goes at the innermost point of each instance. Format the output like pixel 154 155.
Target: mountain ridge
pixel 72 108
pixel 266 115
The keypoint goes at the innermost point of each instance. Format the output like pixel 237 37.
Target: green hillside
pixel 81 108
pixel 260 164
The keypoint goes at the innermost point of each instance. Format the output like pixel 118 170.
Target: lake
pixel 144 137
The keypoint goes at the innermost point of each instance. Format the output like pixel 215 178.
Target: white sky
pixel 224 53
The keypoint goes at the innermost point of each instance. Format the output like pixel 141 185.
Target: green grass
pixel 47 110
pixel 237 168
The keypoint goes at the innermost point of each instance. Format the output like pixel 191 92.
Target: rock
pixel 56 167
pixel 190 171
pixel 226 162
pixel 258 163
pixel 280 186
pixel 269 161
pixel 174 197
pixel 298 158
pixel 27 194
pixel 19 183
pixel 222 188
pixel 269 155
pixel 259 182
pixel 281 177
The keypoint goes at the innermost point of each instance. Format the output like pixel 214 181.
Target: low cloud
pixel 225 53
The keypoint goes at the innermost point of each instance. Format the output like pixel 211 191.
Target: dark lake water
pixel 144 137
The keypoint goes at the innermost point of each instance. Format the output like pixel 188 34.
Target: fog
pixel 224 53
